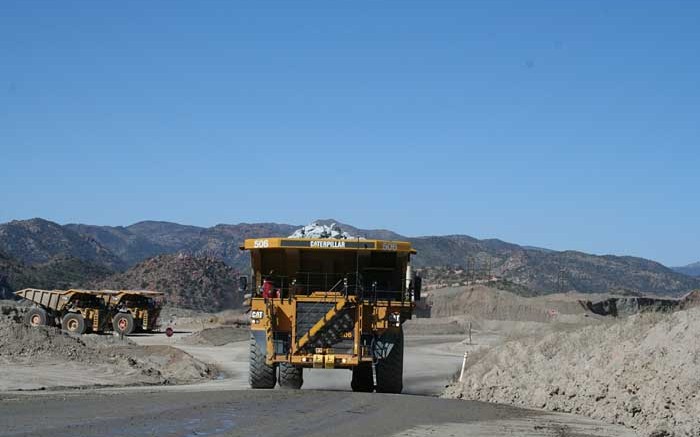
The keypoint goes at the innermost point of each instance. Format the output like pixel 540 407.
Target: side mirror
pixel 417 286
pixel 242 283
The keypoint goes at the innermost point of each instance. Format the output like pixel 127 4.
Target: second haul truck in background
pixel 79 311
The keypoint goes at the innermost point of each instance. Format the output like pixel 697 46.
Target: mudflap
pixel 260 339
pixel 383 344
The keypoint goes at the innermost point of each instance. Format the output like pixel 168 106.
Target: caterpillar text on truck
pixel 329 303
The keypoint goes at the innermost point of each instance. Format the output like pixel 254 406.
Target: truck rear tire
pixel 37 317
pixel 390 369
pixel 291 377
pixel 260 374
pixel 123 323
pixel 74 323
pixel 362 379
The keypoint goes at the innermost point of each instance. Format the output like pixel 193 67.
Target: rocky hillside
pixel 576 271
pixel 143 240
pixel 38 241
pixel 194 282
pixel 547 270
pixel 59 272
pixel 130 247
pixel 527 270
pixel 13 276
pixel 690 270
pixel 65 272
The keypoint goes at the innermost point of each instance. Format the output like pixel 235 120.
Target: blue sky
pixel 568 125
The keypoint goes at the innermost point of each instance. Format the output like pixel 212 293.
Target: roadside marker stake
pixel 464 363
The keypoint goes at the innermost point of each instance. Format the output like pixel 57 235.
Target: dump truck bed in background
pixel 76 310
pixel 54 299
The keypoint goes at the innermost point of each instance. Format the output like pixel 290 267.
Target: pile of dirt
pixel 218 336
pixel 486 303
pixel 444 326
pixel 169 365
pixel 11 312
pixel 640 372
pixel 22 344
pixel 187 319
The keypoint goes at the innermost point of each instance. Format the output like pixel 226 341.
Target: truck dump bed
pixel 57 299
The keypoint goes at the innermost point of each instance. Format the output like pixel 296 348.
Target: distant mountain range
pixel 690 270
pixel 36 242
pixel 135 243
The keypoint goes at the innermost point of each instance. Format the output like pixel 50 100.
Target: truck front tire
pixel 390 369
pixel 362 378
pixel 260 374
pixel 291 377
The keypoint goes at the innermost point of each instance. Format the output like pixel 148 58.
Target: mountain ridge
pixel 539 269
pixel 692 269
pixel 37 241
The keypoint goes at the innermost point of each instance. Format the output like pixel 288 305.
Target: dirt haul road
pixel 226 408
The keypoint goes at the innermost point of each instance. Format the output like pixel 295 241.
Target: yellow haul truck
pixel 79 311
pixel 329 303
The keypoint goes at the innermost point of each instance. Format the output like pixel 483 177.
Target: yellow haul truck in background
pixel 329 303
pixel 80 311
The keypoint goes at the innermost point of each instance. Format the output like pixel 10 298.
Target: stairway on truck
pixel 338 321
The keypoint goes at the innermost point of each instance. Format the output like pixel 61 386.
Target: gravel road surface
pixel 276 413
pixel 325 407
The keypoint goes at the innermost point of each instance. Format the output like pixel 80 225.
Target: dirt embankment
pixel 641 372
pixel 46 357
pixel 218 336
pixel 181 318
pixel 625 306
pixel 486 303
pixel 11 311
pixel 442 326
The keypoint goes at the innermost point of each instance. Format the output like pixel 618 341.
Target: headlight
pixel 257 315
